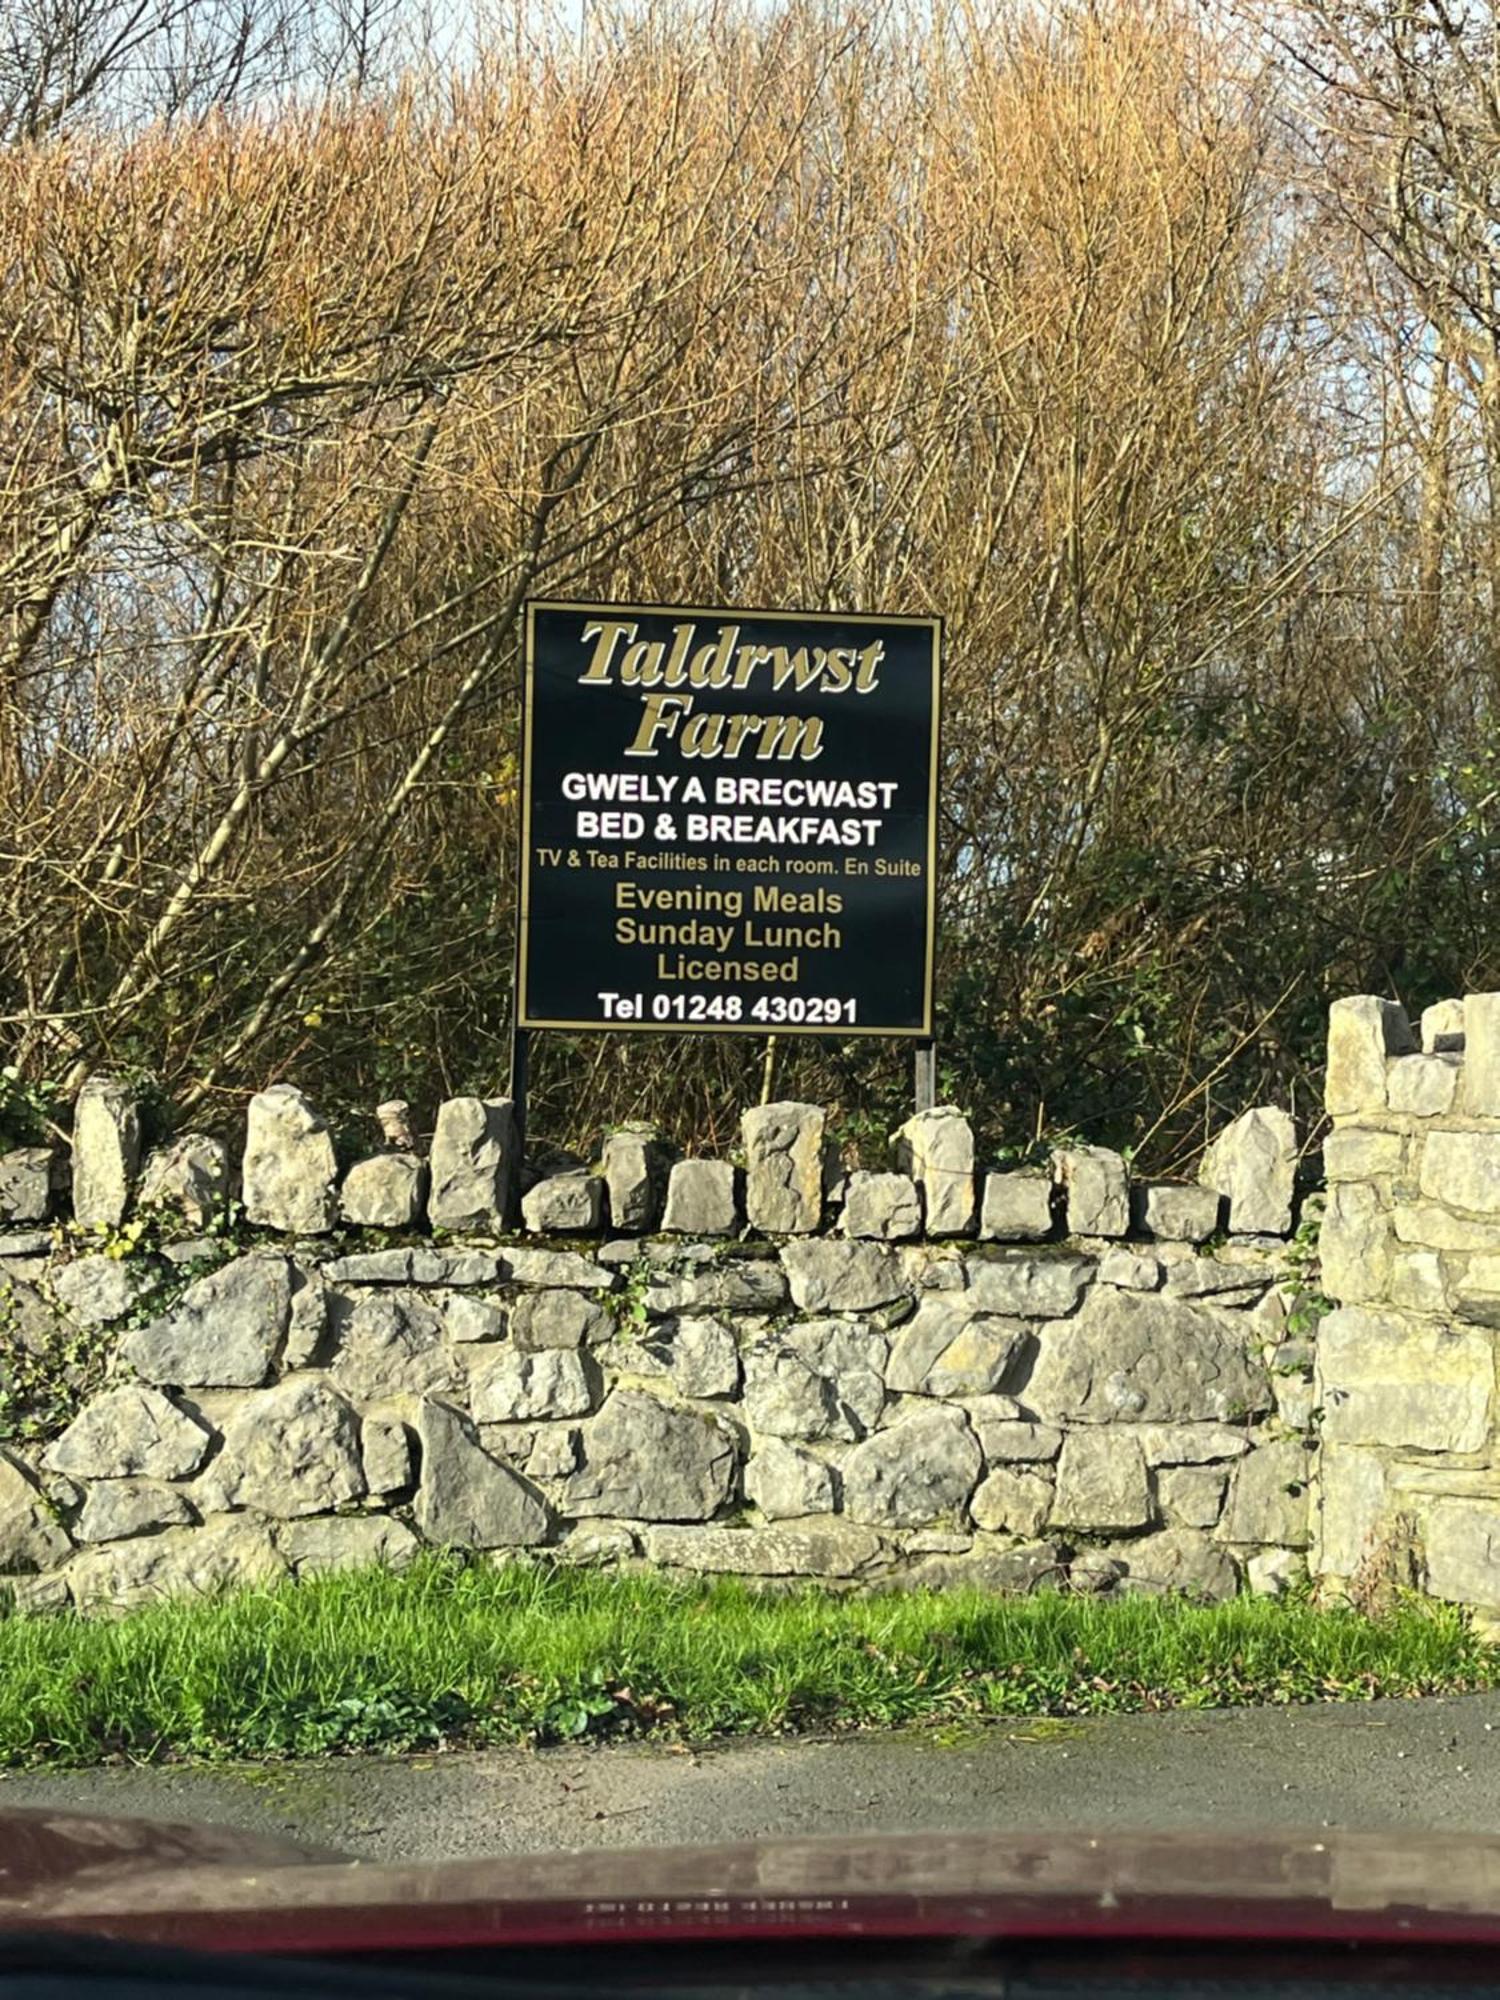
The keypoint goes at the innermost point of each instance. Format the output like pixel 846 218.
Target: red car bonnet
pixel 211 1888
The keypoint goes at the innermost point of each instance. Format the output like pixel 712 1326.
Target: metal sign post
pixel 924 1075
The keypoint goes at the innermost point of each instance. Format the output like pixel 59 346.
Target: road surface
pixel 1423 1764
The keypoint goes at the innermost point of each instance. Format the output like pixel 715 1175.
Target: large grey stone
pixel 225 1330
pixel 386 1191
pixel 1101 1483
pixel 786 1484
pixel 1356 1244
pixel 563 1269
pixel 1352 1501
pixel 1026 1287
pixel 473 1164
pixel 418 1266
pixel 1130 1356
pixel 636 1162
pixel 698 1356
pixel 1176 1561
pixel 783 1167
pixel 831 1548
pixel 921 1469
pixel 947 1349
pixel 467 1319
pixel 1480 1089
pixel 31 1537
pixel 937 1149
pixel 1096 1184
pixel 466 1498
pixel 357 1542
pixel 1190 1444
pixel 292 1450
pixel 564 1204
pixel 559 1318
pixel 556 1450
pixel 645 1462
pixel 1418 1284
pixel 702 1199
pixel 1462 1169
pixel 390 1345
pixel 385 1455
pixel 506 1387
pixel 1268 1499
pixel 289 1166
pixel 106 1152
pixel 130 1432
pixel 1210 1278
pixel 116 1509
pixel 96 1291
pixel 1462 1547
pixel 833 1276
pixel 189 1176
pixel 1388 1380
pixel 1019 1571
pixel 821 1379
pixel 1191 1496
pixel 1009 1440
pixel 25 1184
pixel 1353 1154
pixel 1422 1086
pixel 738 1285
pixel 1016 1207
pixel 1426 1223
pixel 1012 1503
pixel 1132 1270
pixel 884 1207
pixel 203 1562
pixel 1175 1213
pixel 1362 1031
pixel 1253 1164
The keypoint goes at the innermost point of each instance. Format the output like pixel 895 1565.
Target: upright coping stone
pixel 783 1168
pixel 290 1169
pixel 106 1151
pixel 937 1149
pixel 473 1164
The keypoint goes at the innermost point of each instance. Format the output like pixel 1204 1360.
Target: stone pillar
pixel 1410 1257
pixel 473 1164
pixel 106 1152
pixel 937 1149
pixel 783 1168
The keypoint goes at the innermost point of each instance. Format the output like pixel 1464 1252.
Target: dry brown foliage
pixel 1041 320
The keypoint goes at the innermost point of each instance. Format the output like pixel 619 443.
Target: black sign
pixel 728 820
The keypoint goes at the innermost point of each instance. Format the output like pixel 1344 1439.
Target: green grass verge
pixel 449 1653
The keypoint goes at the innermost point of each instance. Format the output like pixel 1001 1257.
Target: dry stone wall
pixel 930 1376
pixel 934 1375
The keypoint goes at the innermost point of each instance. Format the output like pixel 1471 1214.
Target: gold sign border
pixel 934 626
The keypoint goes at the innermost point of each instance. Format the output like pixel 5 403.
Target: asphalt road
pixel 1431 1764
